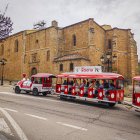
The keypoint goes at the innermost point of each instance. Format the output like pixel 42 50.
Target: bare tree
pixel 5 29
pixel 5 25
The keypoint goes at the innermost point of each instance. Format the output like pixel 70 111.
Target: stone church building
pixel 59 49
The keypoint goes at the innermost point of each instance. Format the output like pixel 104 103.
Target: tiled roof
pixel 75 56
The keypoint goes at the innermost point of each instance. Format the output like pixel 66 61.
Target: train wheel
pixel 35 92
pixel 111 104
pixel 62 97
pixel 17 90
pixel 44 93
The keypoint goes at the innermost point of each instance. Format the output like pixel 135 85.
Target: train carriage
pixel 136 93
pixel 70 86
pixel 39 83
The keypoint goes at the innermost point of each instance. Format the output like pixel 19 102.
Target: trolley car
pixel 99 87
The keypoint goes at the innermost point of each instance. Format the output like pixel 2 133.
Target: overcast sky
pixel 117 13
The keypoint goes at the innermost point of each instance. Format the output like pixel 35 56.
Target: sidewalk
pixel 128 101
pixel 9 129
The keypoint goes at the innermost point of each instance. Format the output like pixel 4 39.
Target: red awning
pixel 136 78
pixel 92 75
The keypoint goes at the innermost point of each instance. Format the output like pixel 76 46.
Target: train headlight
pixel 112 95
pixel 100 94
pixel 138 100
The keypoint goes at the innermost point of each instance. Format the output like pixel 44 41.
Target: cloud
pixel 117 13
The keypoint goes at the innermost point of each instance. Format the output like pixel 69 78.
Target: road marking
pixel 10 109
pixel 18 130
pixel 4 127
pixel 22 95
pixel 118 138
pixel 34 116
pixel 73 126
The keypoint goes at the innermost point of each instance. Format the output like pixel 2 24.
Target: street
pixel 49 118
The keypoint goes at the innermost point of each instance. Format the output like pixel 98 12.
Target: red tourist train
pixel 136 93
pixel 99 87
pixel 39 83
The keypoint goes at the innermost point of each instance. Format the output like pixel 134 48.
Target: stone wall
pixel 125 52
pixel 38 49
pixel 12 70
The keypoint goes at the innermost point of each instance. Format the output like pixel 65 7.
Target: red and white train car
pixel 136 93
pixel 69 86
pixel 39 83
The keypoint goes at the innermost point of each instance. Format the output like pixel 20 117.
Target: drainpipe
pixel 23 53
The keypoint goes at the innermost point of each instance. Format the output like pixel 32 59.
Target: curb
pixel 18 130
pixel 127 103
pixel 7 86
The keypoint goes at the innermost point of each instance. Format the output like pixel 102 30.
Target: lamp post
pixel 2 62
pixel 108 59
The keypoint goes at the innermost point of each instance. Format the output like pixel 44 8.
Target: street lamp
pixel 108 59
pixel 2 62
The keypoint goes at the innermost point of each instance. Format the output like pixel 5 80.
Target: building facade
pixel 56 50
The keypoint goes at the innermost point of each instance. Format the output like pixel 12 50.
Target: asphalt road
pixel 48 118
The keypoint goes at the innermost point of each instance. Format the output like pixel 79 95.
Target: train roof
pixel 92 75
pixel 136 78
pixel 44 75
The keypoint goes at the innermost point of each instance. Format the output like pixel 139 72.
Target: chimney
pixel 54 23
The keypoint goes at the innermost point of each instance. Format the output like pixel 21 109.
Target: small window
pixel 37 80
pixel 137 86
pixel 120 84
pixel 33 71
pixel 71 66
pixel 74 40
pixel 48 55
pixel 61 67
pixel 37 41
pixel 109 44
pixel 16 45
pixel 2 49
pixel 34 57
pixel 25 57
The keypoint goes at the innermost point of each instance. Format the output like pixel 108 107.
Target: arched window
pixel 74 40
pixel 61 67
pixel 71 66
pixel 48 55
pixel 109 44
pixel 16 45
pixel 33 71
pixel 2 49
